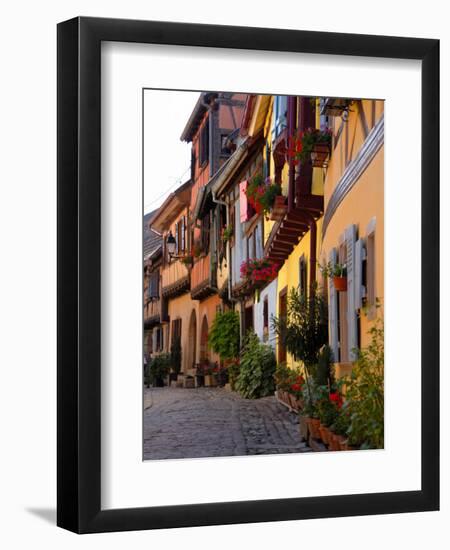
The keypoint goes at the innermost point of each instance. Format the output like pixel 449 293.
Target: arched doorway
pixel 204 352
pixel 192 341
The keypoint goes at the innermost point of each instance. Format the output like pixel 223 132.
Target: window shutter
pixel 183 233
pixel 176 238
pixel 352 319
pixel 243 201
pixel 360 254
pixel 332 311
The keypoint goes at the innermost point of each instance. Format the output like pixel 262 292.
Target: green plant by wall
pixel 365 393
pixel 157 369
pixel 175 355
pixel 305 329
pixel 322 372
pixel 224 335
pixel 257 369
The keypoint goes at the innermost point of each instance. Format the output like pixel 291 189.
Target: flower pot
pixel 292 401
pixel 340 283
pixel 314 424
pixel 334 442
pixel 210 381
pixel 303 426
pixel 324 434
pixel 320 154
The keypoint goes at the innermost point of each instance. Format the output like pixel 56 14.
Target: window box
pixel 320 154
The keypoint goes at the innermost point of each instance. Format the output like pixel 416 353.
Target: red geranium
pixel 336 398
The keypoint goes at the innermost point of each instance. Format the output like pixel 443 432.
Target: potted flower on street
pixel 338 273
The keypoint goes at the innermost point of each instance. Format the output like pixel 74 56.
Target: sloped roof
pixel 152 239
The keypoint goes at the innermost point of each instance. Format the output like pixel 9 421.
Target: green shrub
pixel 157 369
pixel 257 369
pixel 224 335
pixel 365 394
pixel 305 329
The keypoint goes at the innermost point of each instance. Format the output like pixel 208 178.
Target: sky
pixel 166 158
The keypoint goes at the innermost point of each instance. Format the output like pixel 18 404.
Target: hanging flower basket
pixel 340 283
pixel 320 154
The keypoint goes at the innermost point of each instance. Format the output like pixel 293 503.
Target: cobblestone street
pixel 189 423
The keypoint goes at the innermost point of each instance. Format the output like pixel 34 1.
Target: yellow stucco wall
pixel 364 202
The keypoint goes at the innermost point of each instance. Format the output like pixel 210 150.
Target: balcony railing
pixel 203 278
pixel 175 279
pixel 152 311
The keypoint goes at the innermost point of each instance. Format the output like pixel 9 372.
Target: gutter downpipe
pixel 228 251
pixel 292 116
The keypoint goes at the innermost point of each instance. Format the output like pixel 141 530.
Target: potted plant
pixel 227 233
pixel 196 248
pixel 311 395
pixel 256 369
pixel 261 194
pixel 311 145
pixel 338 273
pixel 257 273
pixel 187 260
pixel 158 369
pixel 365 393
pixel 327 411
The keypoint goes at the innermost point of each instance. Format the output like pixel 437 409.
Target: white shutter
pixel 352 319
pixel 258 237
pixel 332 311
pixel 360 254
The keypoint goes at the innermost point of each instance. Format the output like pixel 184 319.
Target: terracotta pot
pixel 314 424
pixel 293 402
pixel 319 154
pixel 334 442
pixel 325 434
pixel 303 426
pixel 340 283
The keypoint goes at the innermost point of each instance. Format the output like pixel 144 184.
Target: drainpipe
pixel 228 249
pixel 292 115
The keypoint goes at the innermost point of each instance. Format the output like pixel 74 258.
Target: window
pixel 176 330
pixel 370 270
pixel 303 276
pixel 204 144
pixel 279 115
pixel 266 319
pixel 342 312
pixel 282 313
pixel 225 150
pixel 193 162
pixel 153 285
pixel 183 234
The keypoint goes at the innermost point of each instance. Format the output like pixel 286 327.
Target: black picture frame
pixel 79 281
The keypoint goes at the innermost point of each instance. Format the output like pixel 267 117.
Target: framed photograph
pixel 248 275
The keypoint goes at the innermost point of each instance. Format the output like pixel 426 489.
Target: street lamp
pixel 171 243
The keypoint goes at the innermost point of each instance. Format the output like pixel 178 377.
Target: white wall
pixel 28 276
pixel 258 312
